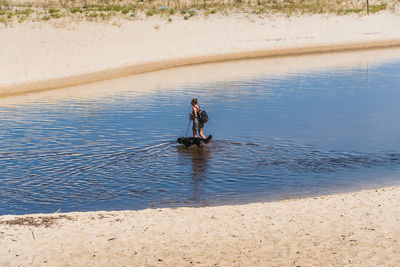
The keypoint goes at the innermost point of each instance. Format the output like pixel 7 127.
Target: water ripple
pixel 301 134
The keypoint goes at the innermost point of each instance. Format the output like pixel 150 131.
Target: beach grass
pixel 23 10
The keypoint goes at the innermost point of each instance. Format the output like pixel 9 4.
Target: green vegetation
pixel 55 15
pixel 377 8
pixel 53 10
pixel 75 10
pixel 150 12
pixel 22 10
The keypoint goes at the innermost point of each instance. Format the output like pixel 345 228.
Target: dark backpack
pixel 202 114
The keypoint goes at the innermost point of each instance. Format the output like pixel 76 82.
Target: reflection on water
pixel 199 157
pixel 300 134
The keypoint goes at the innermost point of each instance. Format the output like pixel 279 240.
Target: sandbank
pixel 351 229
pixel 43 55
pixel 202 74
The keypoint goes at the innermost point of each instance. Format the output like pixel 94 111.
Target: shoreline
pixel 109 74
pixel 5 217
pixel 345 229
pixel 152 82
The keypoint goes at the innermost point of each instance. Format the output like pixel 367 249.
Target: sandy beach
pixel 43 55
pixel 352 229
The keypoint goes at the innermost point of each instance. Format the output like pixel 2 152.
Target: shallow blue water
pixel 300 134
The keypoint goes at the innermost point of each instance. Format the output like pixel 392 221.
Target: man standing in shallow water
pixel 198 126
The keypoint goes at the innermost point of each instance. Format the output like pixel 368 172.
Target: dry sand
pixel 42 55
pixel 353 229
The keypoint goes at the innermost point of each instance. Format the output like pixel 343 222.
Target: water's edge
pixel 84 78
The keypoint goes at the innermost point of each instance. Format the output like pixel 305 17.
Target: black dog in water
pixel 188 141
